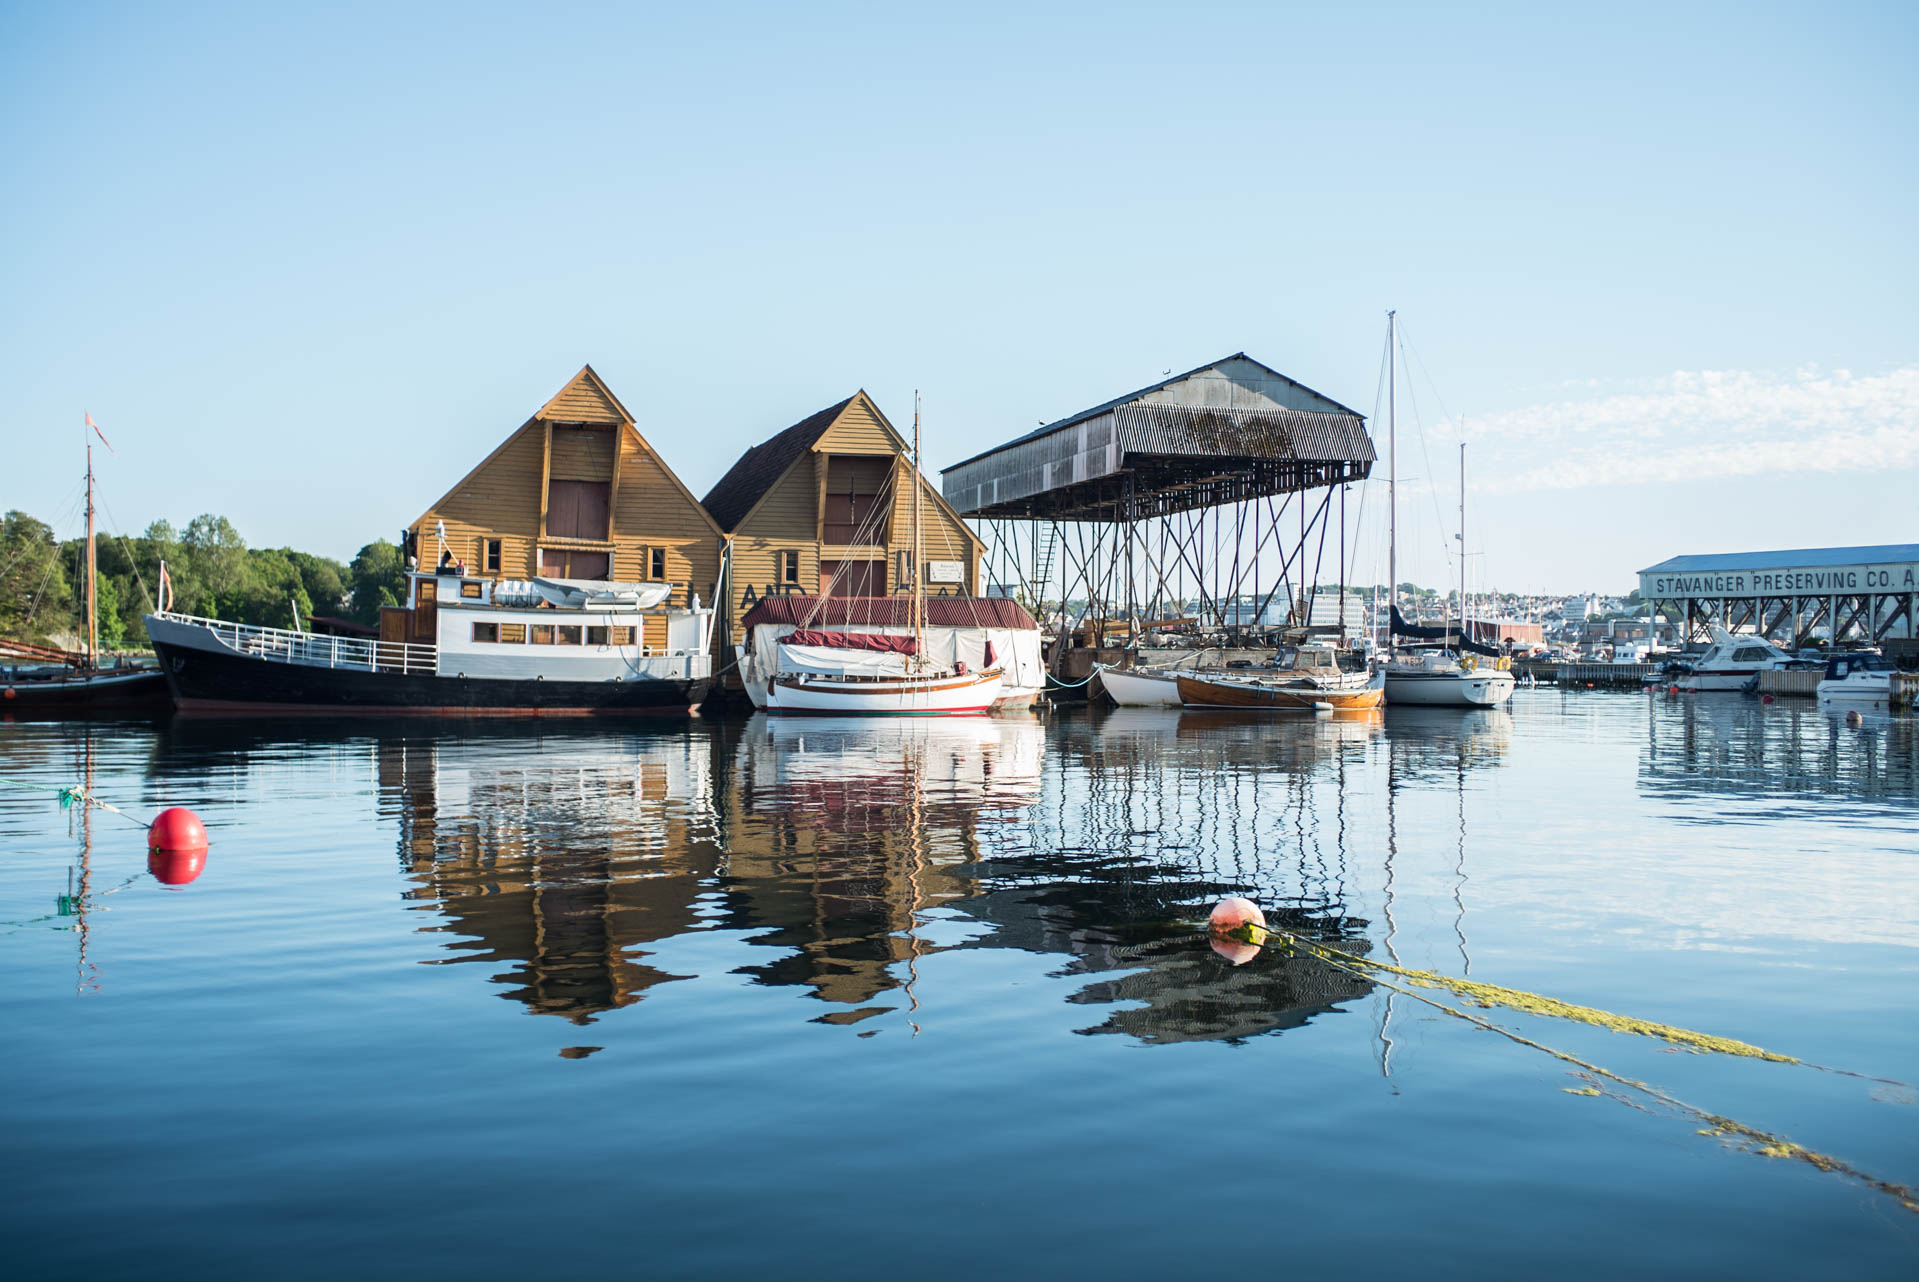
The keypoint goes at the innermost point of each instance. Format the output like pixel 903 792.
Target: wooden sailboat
pixel 68 683
pixel 918 691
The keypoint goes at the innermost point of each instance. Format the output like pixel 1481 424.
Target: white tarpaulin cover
pixel 1016 651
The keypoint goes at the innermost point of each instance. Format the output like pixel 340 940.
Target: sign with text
pixel 946 571
pixel 1805 580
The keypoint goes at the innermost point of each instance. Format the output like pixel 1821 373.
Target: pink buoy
pixel 178 829
pixel 1765 698
pixel 1235 952
pixel 1235 913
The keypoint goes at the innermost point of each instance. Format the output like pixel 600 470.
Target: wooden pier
pixel 1612 675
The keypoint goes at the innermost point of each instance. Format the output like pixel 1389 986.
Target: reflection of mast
pixel 82 967
pixel 1459 868
pixel 1392 848
pixel 915 849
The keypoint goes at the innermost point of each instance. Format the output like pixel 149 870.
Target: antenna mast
pixel 93 620
pixel 919 589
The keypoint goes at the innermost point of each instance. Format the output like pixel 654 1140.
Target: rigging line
pixel 27 544
pixel 127 550
pixel 1432 490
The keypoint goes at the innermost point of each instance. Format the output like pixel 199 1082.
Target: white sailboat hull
pixel 1477 688
pixel 1136 689
pixel 907 696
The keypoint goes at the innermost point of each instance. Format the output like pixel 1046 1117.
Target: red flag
pixel 166 583
pixel 102 435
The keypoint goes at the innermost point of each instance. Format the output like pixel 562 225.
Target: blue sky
pixel 305 268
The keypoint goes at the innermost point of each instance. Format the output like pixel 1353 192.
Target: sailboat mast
pixel 1392 475
pixel 93 622
pixel 919 581
pixel 1462 545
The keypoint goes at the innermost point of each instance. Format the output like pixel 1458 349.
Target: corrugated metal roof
pixel 1787 559
pixel 1199 430
pixel 1117 401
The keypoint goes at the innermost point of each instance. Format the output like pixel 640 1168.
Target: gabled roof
pixel 1117 401
pixel 585 399
pixel 756 471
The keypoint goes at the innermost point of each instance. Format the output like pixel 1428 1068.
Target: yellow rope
pixel 1764 1143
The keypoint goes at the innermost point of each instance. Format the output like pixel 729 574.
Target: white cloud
pixel 1706 425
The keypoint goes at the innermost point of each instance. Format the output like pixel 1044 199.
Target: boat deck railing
pixel 312 650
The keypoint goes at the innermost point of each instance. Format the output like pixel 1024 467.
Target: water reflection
pixel 847 853
pixel 1733 746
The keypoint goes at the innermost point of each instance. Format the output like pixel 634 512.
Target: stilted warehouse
pixel 1845 594
pixel 1193 499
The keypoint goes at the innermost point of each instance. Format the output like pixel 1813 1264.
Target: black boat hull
pixel 108 694
pixel 204 681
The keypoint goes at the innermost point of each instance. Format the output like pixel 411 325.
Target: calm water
pixel 871 1000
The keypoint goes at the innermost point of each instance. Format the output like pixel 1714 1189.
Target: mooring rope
pixel 75 795
pixel 1765 1143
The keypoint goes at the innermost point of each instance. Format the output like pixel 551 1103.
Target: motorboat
pixel 1442 679
pixel 1732 663
pixel 1861 678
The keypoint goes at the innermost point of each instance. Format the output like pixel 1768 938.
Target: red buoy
pixel 1766 698
pixel 177 829
pixel 176 867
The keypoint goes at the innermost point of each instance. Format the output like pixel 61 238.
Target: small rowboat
pixel 1297 696
pixel 909 694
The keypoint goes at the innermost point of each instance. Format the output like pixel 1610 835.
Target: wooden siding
pixel 584 400
pixel 503 498
pixel 582 454
pixel 858 430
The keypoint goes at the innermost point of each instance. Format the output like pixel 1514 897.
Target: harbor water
pixel 881 999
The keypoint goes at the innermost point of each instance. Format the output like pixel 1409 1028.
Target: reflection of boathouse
pixel 556 859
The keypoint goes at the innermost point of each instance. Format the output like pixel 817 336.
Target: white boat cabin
pixel 557 629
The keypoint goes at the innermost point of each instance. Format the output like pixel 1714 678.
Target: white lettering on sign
pixel 1808 580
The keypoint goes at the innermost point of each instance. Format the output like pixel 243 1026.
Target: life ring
pixel 1467 663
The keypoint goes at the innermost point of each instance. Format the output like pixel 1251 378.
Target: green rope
pixel 74 796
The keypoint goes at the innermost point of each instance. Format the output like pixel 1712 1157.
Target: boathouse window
pixel 569 634
pixel 513 634
pixel 577 509
pixel 490 558
pixel 486 632
pixel 543 634
pixel 790 566
pixel 656 564
pixel 470 591
pixel 622 636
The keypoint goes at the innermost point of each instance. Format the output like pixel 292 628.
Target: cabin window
pixel 622 636
pixel 543 634
pixel 489 632
pixel 790 566
pixel 1752 654
pixel 656 564
pixel 513 634
pixel 569 634
pixel 595 635
pixel 490 556
pixel 470 591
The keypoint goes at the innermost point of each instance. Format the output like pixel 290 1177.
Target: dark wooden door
pixel 426 613
pixel 852 578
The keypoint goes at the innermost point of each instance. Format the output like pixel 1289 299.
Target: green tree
pixel 35 593
pixel 324 579
pixel 217 556
pixel 112 626
pixel 377 577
